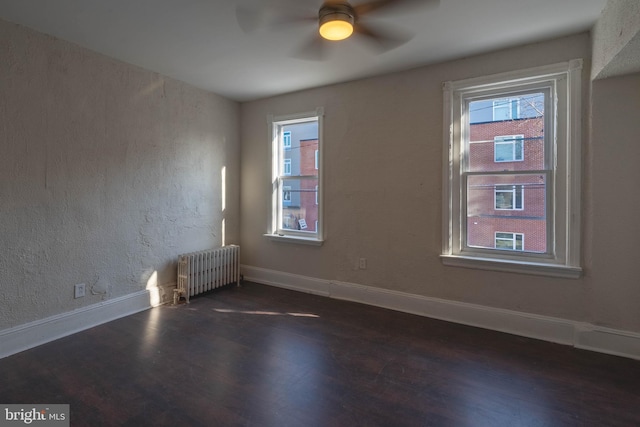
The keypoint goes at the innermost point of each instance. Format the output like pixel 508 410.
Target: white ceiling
pixel 201 43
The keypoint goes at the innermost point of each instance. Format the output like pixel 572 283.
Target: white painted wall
pixel 383 169
pixel 612 286
pixel 107 173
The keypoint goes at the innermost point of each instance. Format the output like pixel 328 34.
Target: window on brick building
pixel 509 197
pixel 508 148
pixel 286 194
pixel 506 108
pixel 296 214
pixel 509 241
pixel 517 170
pixel 286 140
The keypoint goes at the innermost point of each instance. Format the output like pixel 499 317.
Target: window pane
pixel 286 140
pixel 505 109
pixel 508 148
pixel 300 212
pixel 509 241
pixel 519 243
pixel 518 191
pixel 286 194
pixel 504 152
pixel 301 152
pixel 508 197
pixel 500 205
pixel 504 243
pixel 508 141
pixel 518 154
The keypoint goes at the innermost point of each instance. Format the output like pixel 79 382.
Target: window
pixel 506 109
pixel 286 140
pixel 490 185
pixel 296 214
pixel 508 197
pixel 508 148
pixel 509 241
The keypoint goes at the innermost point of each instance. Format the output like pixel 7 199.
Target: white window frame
pixel 274 231
pixel 514 192
pixel 286 167
pixel 512 140
pixel 563 84
pixel 513 239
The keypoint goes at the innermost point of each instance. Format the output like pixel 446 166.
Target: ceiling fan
pixel 336 20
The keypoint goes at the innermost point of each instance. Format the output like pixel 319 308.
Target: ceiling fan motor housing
pixel 341 13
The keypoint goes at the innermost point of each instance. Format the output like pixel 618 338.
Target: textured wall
pixel 107 173
pixel 616 42
pixel 383 193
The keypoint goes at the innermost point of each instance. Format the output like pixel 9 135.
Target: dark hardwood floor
pixel 263 356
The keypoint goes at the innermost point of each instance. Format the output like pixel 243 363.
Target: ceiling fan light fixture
pixel 336 22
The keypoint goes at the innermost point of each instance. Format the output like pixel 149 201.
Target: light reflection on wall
pixel 223 180
pixel 223 184
pixel 155 298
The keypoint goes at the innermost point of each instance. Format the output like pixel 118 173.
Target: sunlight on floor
pixel 265 313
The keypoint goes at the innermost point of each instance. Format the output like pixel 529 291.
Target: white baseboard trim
pixel 607 340
pixel 29 335
pixel 557 330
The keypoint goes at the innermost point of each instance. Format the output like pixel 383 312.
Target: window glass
pixel 509 241
pixel 508 148
pixel 505 109
pixel 514 144
pixel 286 140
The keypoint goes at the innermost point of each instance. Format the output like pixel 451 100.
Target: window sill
pixel 539 269
pixel 294 239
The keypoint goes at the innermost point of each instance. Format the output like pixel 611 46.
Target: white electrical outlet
pixel 79 290
pixel 362 263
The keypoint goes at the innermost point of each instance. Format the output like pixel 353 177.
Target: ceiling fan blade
pixel 374 5
pixel 288 20
pixel 381 39
pixel 272 15
pixel 249 19
pixel 313 50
